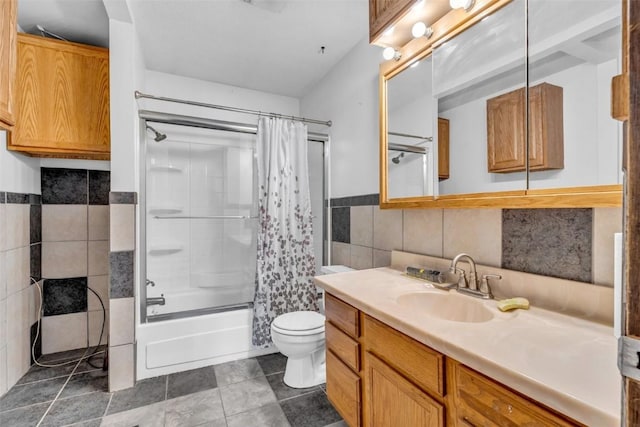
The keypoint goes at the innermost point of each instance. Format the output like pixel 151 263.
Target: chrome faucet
pixel 470 285
pixel 156 300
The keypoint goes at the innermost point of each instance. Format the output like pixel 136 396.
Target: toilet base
pixel 307 371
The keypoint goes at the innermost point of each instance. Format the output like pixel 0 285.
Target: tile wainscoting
pixel 574 244
pixel 20 256
pixel 75 258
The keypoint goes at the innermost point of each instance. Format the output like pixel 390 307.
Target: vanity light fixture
pixel 461 4
pixel 390 53
pixel 420 29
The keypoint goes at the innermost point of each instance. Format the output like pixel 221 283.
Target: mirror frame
pixel 450 25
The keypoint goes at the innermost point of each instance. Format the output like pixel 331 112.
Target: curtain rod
pixel 176 119
pixel 139 95
pixel 407 135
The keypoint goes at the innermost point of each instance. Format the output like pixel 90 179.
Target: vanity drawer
pixel 342 315
pixel 417 362
pixel 343 390
pixel 480 401
pixel 343 346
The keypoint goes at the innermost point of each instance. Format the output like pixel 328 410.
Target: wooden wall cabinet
pixel 379 377
pixel 383 13
pixel 506 136
pixel 443 148
pixel 8 34
pixel 62 100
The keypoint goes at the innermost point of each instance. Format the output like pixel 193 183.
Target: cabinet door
pixel 8 13
pixel 62 100
pixel 480 401
pixel 394 401
pixel 443 148
pixel 506 145
pixel 546 132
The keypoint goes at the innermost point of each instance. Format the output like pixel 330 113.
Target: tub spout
pixel 156 300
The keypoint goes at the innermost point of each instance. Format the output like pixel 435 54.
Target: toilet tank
pixel 329 269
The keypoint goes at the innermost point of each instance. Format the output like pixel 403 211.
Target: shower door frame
pixel 146 116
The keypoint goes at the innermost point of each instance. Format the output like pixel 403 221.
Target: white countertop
pixel 566 363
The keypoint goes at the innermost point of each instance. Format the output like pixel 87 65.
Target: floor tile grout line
pixel 23 407
pixel 60 391
pixel 53 378
pixel 299 395
pixel 106 409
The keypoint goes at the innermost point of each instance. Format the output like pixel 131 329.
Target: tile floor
pixel 245 393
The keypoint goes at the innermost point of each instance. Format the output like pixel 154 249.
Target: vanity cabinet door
pixel 394 401
pixel 479 401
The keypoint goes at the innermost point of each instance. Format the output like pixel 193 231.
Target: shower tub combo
pixel 198 216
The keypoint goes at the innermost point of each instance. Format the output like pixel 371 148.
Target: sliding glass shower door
pixel 201 218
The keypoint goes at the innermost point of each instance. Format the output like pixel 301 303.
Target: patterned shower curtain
pixel 285 259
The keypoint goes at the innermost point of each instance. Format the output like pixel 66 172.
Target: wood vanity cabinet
pixel 342 330
pixel 61 100
pixel 8 34
pixel 506 137
pixel 379 377
pixel 383 13
pixel 443 148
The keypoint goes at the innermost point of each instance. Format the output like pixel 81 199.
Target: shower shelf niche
pixel 166 249
pixel 165 168
pixel 164 210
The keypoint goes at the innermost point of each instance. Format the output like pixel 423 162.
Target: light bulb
pixel 416 7
pixel 420 29
pixel 390 53
pixel 415 64
pixel 389 31
pixel 461 4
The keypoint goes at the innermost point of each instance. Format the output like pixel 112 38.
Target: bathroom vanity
pixel 389 363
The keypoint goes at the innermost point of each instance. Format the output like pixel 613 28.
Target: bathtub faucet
pixel 156 300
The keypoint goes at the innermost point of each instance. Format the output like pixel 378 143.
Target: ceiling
pixel 268 45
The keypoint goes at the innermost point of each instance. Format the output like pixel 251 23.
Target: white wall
pixel 348 96
pixel 172 86
pixel 18 173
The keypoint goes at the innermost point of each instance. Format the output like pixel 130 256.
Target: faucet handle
pixel 462 276
pixel 485 282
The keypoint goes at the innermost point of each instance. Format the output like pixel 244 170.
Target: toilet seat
pixel 299 323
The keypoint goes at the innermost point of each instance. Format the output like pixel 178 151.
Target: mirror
pixel 485 61
pixel 410 108
pixel 576 46
pixel 478 87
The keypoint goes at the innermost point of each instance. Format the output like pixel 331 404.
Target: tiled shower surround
pixel 574 244
pixel 20 250
pixel 75 254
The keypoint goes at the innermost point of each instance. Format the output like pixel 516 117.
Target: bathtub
pixel 176 345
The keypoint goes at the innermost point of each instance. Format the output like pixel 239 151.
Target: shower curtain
pixel 285 259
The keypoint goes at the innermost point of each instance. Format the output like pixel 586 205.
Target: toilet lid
pixel 299 321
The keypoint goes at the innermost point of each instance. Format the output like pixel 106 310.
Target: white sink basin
pixel 448 306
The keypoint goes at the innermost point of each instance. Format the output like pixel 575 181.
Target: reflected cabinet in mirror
pixel 504 107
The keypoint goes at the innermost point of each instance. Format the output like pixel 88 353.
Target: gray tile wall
pixel 19 260
pixel 575 244
pixel 75 257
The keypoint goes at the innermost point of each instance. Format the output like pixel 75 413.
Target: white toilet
pixel 299 335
